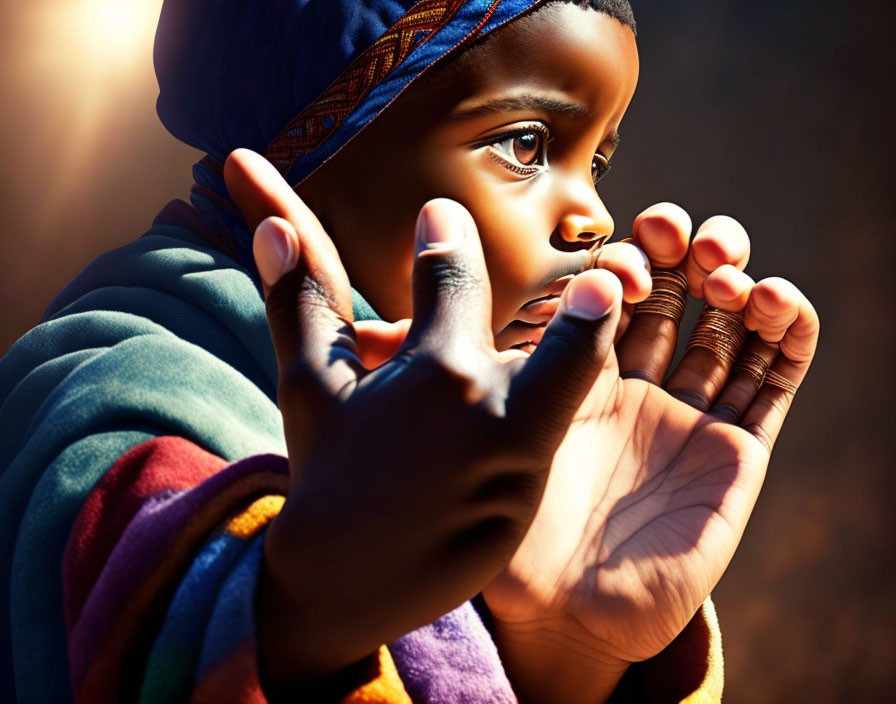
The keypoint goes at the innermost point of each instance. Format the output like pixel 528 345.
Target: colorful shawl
pixel 141 453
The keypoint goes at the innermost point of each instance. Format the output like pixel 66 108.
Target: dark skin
pixel 356 488
pixel 616 517
pixel 495 133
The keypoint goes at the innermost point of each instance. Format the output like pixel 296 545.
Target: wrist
pixel 302 643
pixel 556 662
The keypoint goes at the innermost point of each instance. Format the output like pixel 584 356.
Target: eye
pixel 523 151
pixel 600 166
pixel 527 148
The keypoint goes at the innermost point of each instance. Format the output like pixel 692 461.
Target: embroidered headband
pixel 297 79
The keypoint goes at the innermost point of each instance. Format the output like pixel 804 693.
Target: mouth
pixel 525 331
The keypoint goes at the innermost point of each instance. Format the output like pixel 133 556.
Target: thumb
pixel 451 289
pixel 574 349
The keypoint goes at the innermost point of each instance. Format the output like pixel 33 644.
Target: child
pixel 144 452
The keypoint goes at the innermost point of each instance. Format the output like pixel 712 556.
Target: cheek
pixel 512 224
pixel 514 252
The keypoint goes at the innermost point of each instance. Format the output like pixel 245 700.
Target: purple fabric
pixel 453 660
pixel 144 546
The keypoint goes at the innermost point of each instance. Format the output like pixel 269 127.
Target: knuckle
pixel 449 376
pixel 775 403
pixel 761 434
pixel 691 397
pixel 726 412
pixel 455 278
pixel 316 296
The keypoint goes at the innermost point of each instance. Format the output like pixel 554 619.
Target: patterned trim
pixel 323 117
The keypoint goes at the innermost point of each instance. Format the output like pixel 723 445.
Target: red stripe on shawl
pixel 136 615
pixel 157 465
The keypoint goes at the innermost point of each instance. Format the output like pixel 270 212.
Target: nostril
pixel 587 235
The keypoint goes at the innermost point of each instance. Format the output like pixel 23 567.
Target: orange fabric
pixel 385 688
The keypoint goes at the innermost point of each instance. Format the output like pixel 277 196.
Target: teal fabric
pixel 160 337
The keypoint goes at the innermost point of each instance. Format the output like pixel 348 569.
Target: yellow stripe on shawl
pixel 710 690
pixel 690 670
pixel 385 688
pixel 256 516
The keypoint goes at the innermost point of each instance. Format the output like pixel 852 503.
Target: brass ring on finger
pixel 779 381
pixel 721 332
pixel 753 365
pixel 668 297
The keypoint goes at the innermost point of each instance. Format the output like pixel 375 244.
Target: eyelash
pixel 600 165
pixel 504 157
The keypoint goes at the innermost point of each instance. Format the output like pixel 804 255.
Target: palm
pixel 645 505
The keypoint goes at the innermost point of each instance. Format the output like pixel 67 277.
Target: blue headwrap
pixel 295 79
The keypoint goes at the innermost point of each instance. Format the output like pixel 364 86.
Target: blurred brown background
pixel 774 112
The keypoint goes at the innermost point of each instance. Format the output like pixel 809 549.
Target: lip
pixel 543 308
pixel 527 328
pixel 520 335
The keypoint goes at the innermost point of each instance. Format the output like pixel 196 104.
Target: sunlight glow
pixel 93 62
pixel 106 38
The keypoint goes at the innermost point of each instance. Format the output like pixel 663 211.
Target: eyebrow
pixel 530 102
pixel 522 103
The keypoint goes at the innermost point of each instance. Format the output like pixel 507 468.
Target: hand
pixel 412 484
pixel 652 487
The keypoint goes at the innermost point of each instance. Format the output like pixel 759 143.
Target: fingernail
pixel 273 250
pixel 589 298
pixel 441 225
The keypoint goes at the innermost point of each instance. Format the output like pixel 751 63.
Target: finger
pixel 309 303
pixel 715 344
pixel 647 334
pixel 702 373
pixel 630 265
pixel 625 318
pixel 719 241
pixel 260 192
pixel 310 375
pixel 313 340
pixel 275 247
pixel 745 379
pixel 765 416
pixel 772 308
pixel 452 295
pixel 663 231
pixel 728 288
pixel 648 344
pixel 575 348
pixel 378 341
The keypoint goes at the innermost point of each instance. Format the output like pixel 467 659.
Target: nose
pixel 584 218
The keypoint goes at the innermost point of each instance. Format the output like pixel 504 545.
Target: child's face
pixel 516 130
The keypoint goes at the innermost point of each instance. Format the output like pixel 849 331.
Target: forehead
pixel 560 49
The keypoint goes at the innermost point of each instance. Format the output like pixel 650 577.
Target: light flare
pixel 93 61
